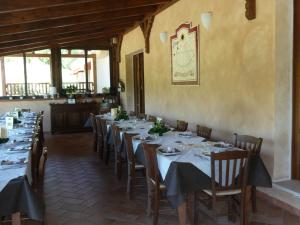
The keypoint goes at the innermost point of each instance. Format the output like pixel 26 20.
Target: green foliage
pixel 121 115
pixel 105 90
pixel 159 127
pixel 45 60
pixel 3 140
pixel 71 89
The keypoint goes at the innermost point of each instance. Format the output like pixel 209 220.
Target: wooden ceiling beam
pixel 9 18
pixel 75 20
pixel 18 5
pixel 92 43
pixel 104 33
pixel 67 29
pixel 101 42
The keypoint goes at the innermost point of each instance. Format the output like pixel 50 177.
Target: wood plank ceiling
pixel 38 24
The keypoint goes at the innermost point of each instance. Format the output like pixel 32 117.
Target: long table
pixel 16 194
pixel 190 161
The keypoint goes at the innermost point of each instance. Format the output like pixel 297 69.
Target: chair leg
pixel 156 207
pixel 214 210
pixel 116 163
pixel 95 143
pixel 253 199
pixel 100 148
pixel 242 210
pixel 150 198
pixel 131 180
pixel 107 150
pixel 119 168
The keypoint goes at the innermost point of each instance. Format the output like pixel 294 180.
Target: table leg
pixel 16 218
pixel 182 214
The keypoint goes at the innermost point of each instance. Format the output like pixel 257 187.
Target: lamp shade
pixel 163 37
pixel 52 91
pixel 206 19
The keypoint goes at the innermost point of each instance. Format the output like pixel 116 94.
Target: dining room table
pixel 16 194
pixel 183 160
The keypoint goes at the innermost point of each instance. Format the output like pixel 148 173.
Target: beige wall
pixel 34 106
pixel 240 80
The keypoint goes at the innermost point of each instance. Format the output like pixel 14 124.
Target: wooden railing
pixel 18 89
pixel 80 86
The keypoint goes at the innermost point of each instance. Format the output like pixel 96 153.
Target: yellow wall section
pixel 237 78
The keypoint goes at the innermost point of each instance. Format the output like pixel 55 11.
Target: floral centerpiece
pixel 121 115
pixel 159 128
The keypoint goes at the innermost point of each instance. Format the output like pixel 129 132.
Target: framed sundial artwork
pixel 184 55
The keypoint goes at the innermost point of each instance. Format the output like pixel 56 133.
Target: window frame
pixel 24 55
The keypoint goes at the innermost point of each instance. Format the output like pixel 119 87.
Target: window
pixel 38 73
pixel 88 74
pixel 25 79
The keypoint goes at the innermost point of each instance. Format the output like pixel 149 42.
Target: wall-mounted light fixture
pixel 163 36
pixel 206 19
pixel 114 40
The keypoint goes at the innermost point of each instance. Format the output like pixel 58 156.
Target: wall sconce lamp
pixel 114 40
pixel 163 36
pixel 206 19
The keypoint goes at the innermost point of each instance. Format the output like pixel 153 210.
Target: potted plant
pixel 71 91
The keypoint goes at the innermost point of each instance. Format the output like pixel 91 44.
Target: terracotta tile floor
pixel 81 190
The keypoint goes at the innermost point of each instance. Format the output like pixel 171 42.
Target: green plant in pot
pixel 158 128
pixel 71 91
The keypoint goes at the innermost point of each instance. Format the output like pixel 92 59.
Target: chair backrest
pixel 34 160
pixel 103 123
pixel 99 127
pixel 181 125
pixel 132 113
pixel 229 170
pixel 151 165
pixel 93 121
pixel 129 147
pixel 151 118
pixel 42 164
pixel 250 143
pixel 142 116
pixel 116 136
pixel 204 132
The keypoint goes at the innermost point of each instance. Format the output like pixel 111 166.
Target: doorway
pixel 296 95
pixel 138 79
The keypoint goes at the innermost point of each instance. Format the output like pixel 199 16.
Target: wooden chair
pixel 155 187
pixel 41 171
pixel 181 125
pixel 204 132
pixel 142 116
pixel 132 113
pixel 252 144
pixel 133 167
pixel 151 118
pixel 95 133
pixel 105 146
pixel 117 143
pixel 99 137
pixel 34 162
pixel 227 183
pixel 40 121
